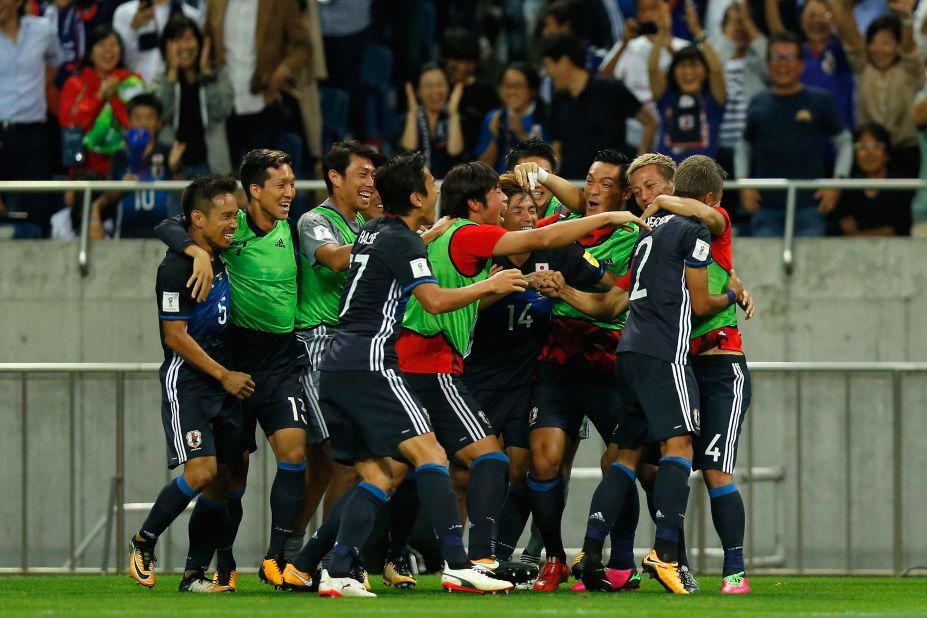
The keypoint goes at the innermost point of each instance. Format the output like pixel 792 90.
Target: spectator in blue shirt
pixel 134 214
pixel 27 46
pixel 521 118
pixel 782 138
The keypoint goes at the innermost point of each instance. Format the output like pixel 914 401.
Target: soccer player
pixel 262 266
pixel 326 234
pixel 431 348
pixel 576 370
pixel 202 417
pixel 499 371
pixel 719 365
pixel 534 150
pixel 371 413
pixel 654 372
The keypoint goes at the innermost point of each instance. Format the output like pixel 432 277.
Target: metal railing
pixel 791 187
pixel 797 372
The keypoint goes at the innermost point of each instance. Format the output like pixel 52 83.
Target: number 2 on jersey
pixel 362 260
pixel 638 291
pixel 524 319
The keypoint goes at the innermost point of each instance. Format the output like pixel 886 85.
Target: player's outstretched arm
pixel 571 196
pixel 688 207
pixel 179 340
pixel 563 233
pixel 435 299
pixel 604 307
pixel 703 303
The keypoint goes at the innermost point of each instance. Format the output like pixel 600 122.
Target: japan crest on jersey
pixel 194 438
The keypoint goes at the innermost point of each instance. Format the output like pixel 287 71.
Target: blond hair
pixel 665 164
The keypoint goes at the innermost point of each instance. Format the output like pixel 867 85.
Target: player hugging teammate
pixel 508 332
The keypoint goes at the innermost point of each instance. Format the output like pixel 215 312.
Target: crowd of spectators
pixel 170 89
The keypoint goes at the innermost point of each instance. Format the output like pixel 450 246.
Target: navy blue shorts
pixel 663 400
pixel 508 411
pixel 724 389
pixel 564 395
pixel 369 413
pixel 458 419
pixel 201 422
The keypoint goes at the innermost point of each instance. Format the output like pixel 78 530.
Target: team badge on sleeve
pixel 170 302
pixel 702 250
pixel 420 268
pixel 323 233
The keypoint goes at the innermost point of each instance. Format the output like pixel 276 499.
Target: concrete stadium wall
pixel 847 300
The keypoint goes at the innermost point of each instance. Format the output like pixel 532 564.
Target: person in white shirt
pixel 140 24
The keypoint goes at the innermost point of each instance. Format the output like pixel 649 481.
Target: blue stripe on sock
pixel 535 485
pixel 298 467
pixel 625 469
pixel 211 504
pixel 724 490
pixel 375 491
pixel 432 468
pixel 183 486
pixel 497 455
pixel 236 495
pixel 682 461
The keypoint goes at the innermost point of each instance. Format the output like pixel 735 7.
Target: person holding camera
pixel 140 24
pixel 628 60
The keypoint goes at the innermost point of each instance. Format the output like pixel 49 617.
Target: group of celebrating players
pixel 398 363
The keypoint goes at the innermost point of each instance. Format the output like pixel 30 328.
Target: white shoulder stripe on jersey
pixel 459 405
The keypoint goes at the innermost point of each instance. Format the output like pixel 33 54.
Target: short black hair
pixel 103 31
pixel 199 193
pixel 531 75
pixel 397 179
pixel 531 147
pixel 615 157
pixel 568 12
pixel 254 166
pixel 874 129
pixel 466 181
pixel 145 99
pixel 175 28
pixel 556 46
pixel 428 67
pixel 889 23
pixel 460 44
pixel 785 37
pixel 338 158
pixel 699 175
pixel 689 52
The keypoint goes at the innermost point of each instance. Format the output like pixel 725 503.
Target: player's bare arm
pixel 703 303
pixel 688 207
pixel 571 196
pixel 176 338
pixel 435 299
pixel 564 232
pixel 603 307
pixel 333 256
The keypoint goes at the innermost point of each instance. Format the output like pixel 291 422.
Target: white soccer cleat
pixel 472 579
pixel 342 587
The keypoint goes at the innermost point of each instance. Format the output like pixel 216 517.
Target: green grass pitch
pixel 772 596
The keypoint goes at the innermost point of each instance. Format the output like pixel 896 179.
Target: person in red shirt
pixel 85 94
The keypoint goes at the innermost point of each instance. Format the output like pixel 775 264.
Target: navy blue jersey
pixel 509 333
pixel 660 319
pixel 206 321
pixel 387 261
